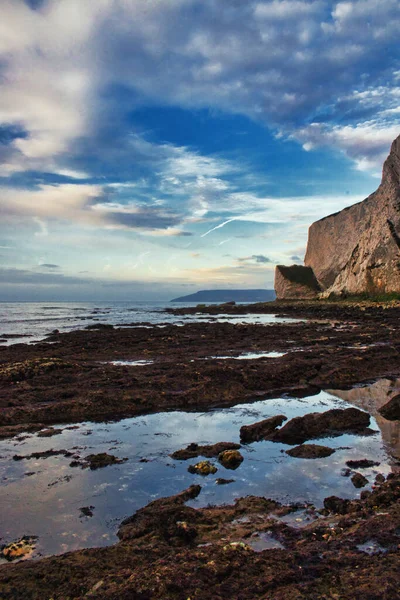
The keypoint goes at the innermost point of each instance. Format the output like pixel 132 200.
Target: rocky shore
pixel 256 548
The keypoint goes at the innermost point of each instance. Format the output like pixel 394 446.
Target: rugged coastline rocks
pixel 355 250
pixel 170 550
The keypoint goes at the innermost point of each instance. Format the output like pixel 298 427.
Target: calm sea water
pixel 38 319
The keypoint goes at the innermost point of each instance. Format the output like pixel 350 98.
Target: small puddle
pixel 371 547
pixel 263 540
pixel 131 363
pixel 252 355
pixel 69 508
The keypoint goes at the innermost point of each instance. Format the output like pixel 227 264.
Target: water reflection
pixel 45 497
pixel 372 397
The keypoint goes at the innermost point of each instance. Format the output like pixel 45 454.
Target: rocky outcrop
pixel 356 250
pixel 295 282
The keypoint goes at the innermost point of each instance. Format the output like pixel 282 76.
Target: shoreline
pixel 168 549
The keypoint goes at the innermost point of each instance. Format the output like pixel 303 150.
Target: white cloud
pixel 268 60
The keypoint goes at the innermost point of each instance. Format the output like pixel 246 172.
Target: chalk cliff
pixel 358 249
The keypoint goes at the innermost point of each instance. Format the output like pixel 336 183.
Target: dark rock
pixel 230 459
pixel 363 463
pixel 209 451
pixel 87 511
pixel 380 478
pixel 317 425
pixel 98 461
pixel 337 505
pixel 222 481
pixel 359 480
pixel 261 430
pixel 99 326
pixel 391 410
pixel 310 451
pixel 49 432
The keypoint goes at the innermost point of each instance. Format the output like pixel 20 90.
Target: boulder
pixel 310 451
pixel 295 282
pixel 209 451
pixel 261 430
pixel 316 425
pixel 359 481
pixel 230 459
pixel 203 467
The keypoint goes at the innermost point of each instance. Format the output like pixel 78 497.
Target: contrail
pixel 218 227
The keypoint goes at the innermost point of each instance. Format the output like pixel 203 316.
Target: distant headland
pixel 228 296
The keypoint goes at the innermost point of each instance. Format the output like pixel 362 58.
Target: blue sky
pixel 150 148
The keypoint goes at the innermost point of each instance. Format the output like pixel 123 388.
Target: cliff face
pixel 358 249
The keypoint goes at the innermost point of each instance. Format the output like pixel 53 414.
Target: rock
pixel 310 451
pixel 363 463
pixel 87 511
pixel 98 461
pixel 391 410
pixel 359 480
pixel 209 451
pixel 230 459
pixel 49 432
pixel 337 505
pixel 203 467
pixel 357 249
pixel 295 282
pixel 167 518
pixel 23 548
pixel 261 430
pixel 317 425
pixel 380 478
pixel 222 481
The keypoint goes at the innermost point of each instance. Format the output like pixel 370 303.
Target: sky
pixel 152 148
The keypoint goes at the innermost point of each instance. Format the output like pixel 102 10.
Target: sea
pixel 30 322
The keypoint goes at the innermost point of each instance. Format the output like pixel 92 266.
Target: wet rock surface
pixel 310 451
pixel 316 425
pixel 170 550
pixel 209 451
pixel 363 463
pixel 261 430
pixel 74 380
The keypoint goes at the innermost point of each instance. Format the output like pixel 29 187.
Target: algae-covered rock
pixel 27 369
pixel 203 467
pixel 310 451
pixel 21 549
pixel 209 451
pixel 230 459
pixel 316 425
pixel 261 430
